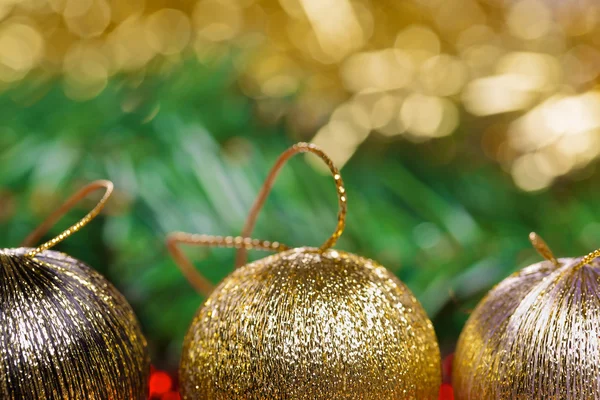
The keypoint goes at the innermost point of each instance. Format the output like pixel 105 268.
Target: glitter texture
pixel 535 336
pixel 311 324
pixel 66 332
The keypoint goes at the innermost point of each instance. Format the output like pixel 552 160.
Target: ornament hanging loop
pixel 62 210
pixel 268 185
pixel 194 277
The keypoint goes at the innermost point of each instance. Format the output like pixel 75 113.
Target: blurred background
pixel 460 125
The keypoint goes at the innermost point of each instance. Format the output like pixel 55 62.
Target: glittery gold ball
pixel 66 332
pixel 305 324
pixel 535 336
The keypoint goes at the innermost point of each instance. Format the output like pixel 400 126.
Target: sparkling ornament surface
pixel 311 324
pixel 535 336
pixel 66 332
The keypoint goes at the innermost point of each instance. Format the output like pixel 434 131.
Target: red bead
pixel 160 382
pixel 446 392
pixel 447 367
pixel 171 396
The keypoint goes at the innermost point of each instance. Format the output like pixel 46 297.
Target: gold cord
pixel 542 248
pixel 587 259
pixel 268 185
pixel 41 230
pixel 195 278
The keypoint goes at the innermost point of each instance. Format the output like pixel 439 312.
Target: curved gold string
pixel 268 185
pixel 194 277
pixel 62 210
pixel 542 248
pixel 587 259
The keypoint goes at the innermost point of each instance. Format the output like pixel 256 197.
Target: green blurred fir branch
pixel 187 152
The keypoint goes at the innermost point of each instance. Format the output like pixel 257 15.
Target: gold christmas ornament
pixel 536 335
pixel 65 331
pixel 305 323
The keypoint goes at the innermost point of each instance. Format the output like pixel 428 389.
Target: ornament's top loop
pixel 62 210
pixel 195 278
pixel 268 185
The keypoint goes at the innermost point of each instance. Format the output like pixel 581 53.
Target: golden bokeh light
pixel 6 6
pixel 530 172
pixel 218 20
pixel 379 70
pixel 443 75
pixel 481 59
pixel 89 20
pixel 529 19
pixel 168 31
pixel 384 114
pixel 559 135
pixel 21 49
pixel 86 71
pixel 336 26
pixel 343 134
pixel 498 94
pixel 429 116
pixel 122 10
pixel 420 42
pixel 541 71
pixel 408 69
pixel 453 17
pixel 129 48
